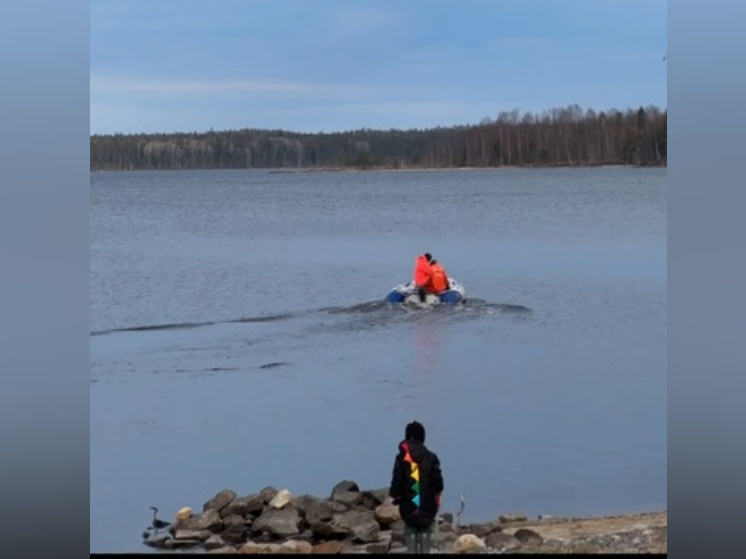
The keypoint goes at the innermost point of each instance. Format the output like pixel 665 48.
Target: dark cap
pixel 415 430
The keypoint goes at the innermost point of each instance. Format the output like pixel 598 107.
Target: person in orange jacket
pixel 438 278
pixel 422 274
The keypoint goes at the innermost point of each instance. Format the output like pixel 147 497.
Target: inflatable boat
pixel 406 293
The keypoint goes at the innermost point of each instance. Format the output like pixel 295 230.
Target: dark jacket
pixel 416 483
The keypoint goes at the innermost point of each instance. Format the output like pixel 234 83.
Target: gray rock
pixel 323 511
pixel 242 506
pixel 378 548
pixel 387 514
pixel 209 520
pixel 219 501
pixel 513 517
pixel 295 546
pixel 397 531
pixel 348 497
pixel 469 543
pixel 268 493
pixel 282 523
pixel 214 542
pixel 528 537
pixel 304 502
pixel 362 525
pixel 374 498
pixel 328 530
pixel 481 530
pixel 199 535
pixel 502 542
pixel 447 517
pixel 157 540
pixel 234 520
pixel 238 533
pixel 345 486
pixel 180 544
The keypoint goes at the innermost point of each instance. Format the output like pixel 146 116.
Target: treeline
pixel 559 137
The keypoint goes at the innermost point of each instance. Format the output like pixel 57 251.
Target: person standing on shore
pixel 416 486
pixel 422 274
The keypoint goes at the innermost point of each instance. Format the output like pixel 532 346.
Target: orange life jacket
pixel 438 279
pixel 421 271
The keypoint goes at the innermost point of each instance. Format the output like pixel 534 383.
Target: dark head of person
pixel 415 431
pixel 428 256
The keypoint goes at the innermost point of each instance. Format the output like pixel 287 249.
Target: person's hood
pixel 417 450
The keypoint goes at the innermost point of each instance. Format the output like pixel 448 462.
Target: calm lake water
pixel 238 339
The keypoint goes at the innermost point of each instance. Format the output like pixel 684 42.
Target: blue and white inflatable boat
pixel 406 293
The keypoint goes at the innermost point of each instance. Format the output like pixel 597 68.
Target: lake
pixel 239 339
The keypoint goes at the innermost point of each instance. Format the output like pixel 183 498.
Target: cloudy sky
pixel 334 65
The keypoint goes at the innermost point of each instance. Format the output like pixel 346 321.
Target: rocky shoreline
pixel 352 520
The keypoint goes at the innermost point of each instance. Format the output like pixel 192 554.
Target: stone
pixel 482 530
pixel 295 546
pixel 387 514
pixel 469 543
pixel 219 501
pixel 445 527
pixel 501 541
pixel 282 523
pixel 268 493
pixel 513 517
pixel 378 548
pixel 178 544
pixel 304 502
pixel 397 531
pixel 328 547
pixel 251 548
pixel 447 517
pixel 374 498
pixel 347 492
pixel 528 537
pixel 183 514
pixel 361 524
pixel 283 497
pixel 226 549
pixel 209 520
pixel 345 486
pixel 243 506
pixel 199 535
pixel 233 520
pixel 157 540
pixel 214 542
pixel 444 540
pixel 236 533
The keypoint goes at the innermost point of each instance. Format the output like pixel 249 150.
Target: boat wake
pixel 380 309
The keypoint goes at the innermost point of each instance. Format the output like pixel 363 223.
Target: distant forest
pixel 558 137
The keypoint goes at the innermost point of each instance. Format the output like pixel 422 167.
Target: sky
pixel 336 65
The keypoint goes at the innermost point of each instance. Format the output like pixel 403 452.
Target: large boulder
pixel 199 535
pixel 282 523
pixel 362 525
pixel 208 520
pixel 283 497
pixel 528 537
pixel 243 506
pixel 374 498
pixel 347 492
pixel 219 501
pixel 268 493
pixel 501 541
pixel 469 543
pixel 387 514
pixel 214 542
pixel 304 502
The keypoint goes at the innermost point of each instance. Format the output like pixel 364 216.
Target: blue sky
pixel 334 65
